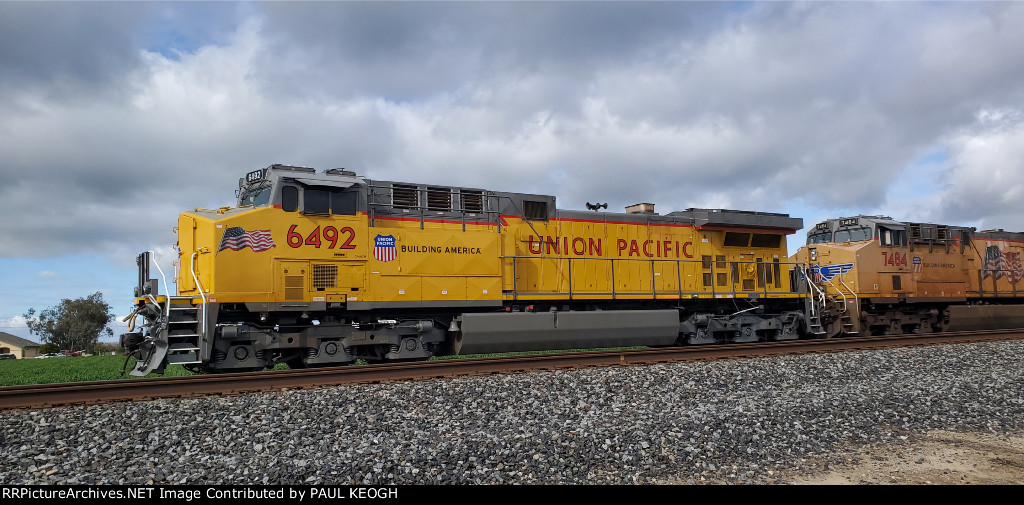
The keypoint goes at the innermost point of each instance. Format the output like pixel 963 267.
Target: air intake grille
pixel 472 201
pixel 404 196
pixel 439 198
pixel 325 276
pixel 294 287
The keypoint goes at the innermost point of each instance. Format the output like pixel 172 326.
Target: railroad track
pixel 83 393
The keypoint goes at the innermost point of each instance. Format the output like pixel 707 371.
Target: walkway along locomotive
pixel 326 268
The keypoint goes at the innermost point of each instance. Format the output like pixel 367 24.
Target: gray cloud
pixel 760 106
pixel 409 51
pixel 64 52
pixel 984 182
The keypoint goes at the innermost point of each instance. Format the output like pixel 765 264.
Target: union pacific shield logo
pixel 384 248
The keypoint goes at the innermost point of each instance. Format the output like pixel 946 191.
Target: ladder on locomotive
pixel 819 302
pixel 814 304
pixel 184 328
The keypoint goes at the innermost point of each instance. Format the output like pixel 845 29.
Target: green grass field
pixel 20 372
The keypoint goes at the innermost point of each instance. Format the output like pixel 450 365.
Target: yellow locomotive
pixel 326 268
pixel 877 276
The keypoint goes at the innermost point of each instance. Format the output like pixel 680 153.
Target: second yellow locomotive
pixel 878 276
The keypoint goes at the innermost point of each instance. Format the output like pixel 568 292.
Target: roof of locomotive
pixel 832 224
pixel 1000 234
pixel 914 227
pixel 336 177
pixel 512 203
pixel 741 218
pixel 698 218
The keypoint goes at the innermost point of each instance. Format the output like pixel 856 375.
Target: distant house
pixel 20 347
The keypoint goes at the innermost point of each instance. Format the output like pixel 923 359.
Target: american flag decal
pixel 1014 265
pixel 998 264
pixel 384 248
pixel 995 263
pixel 917 264
pixel 236 239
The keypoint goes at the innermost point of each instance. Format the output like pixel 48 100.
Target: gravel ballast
pixel 736 421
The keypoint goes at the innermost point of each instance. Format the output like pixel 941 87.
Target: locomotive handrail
pixel 816 292
pixel 201 324
pixel 830 283
pixel 566 274
pixel 192 269
pixel 822 295
pixel 167 305
pixel 856 301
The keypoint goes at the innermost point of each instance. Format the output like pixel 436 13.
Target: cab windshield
pixel 819 238
pixel 257 197
pixel 853 235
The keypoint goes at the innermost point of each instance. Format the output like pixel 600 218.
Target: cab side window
pixel 892 238
pixel 319 200
pixel 343 202
pixel 289 199
pixel 316 201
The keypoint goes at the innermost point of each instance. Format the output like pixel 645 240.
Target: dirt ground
pixel 940 458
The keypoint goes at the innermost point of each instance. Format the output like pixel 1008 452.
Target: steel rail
pixel 50 395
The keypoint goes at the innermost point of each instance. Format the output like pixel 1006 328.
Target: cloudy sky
pixel 115 117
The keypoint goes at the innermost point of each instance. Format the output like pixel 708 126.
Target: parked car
pixel 8 356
